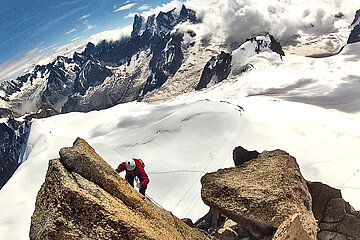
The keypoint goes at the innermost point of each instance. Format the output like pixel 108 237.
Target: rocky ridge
pixel 335 218
pixel 250 48
pixel 216 70
pixel 266 197
pixel 84 198
pixel 261 194
pixel 356 20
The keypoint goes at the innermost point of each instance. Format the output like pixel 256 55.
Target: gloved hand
pixel 137 180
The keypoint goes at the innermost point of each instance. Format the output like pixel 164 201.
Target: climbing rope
pixel 355 173
pixel 153 201
pixel 204 169
pixel 176 171
pixel 320 143
pixel 222 163
pixel 192 204
pixel 174 218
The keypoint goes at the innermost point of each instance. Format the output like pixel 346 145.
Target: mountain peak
pixel 162 23
pixel 138 25
pixel 187 14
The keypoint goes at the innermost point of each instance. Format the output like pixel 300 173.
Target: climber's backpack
pixel 141 162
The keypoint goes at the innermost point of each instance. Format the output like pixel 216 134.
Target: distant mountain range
pixel 157 52
pixel 107 74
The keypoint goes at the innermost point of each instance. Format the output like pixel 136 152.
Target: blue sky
pixel 26 25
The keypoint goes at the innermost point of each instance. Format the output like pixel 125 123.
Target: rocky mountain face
pixel 336 218
pixel 84 198
pixel 356 20
pixel 219 67
pixel 216 70
pixel 13 139
pixel 264 198
pixel 355 33
pixel 251 47
pixel 261 194
pixel 108 73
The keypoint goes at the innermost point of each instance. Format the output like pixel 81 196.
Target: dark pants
pixel 130 180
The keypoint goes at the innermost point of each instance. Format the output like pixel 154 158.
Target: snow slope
pixel 307 107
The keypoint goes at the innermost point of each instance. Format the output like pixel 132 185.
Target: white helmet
pixel 130 164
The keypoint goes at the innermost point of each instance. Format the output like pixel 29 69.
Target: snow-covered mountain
pixel 108 73
pixel 219 67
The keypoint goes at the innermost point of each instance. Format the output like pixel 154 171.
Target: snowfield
pixel 308 107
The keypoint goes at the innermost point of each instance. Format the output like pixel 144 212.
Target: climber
pixel 134 168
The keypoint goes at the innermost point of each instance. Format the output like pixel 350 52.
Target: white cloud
pixel 125 7
pixel 144 7
pixel 67 50
pixel 76 39
pixel 89 27
pixel 70 31
pixel 39 56
pixel 236 20
pixel 15 67
pixel 20 65
pixel 111 35
pixel 164 7
pixel 84 17
pixel 347 7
